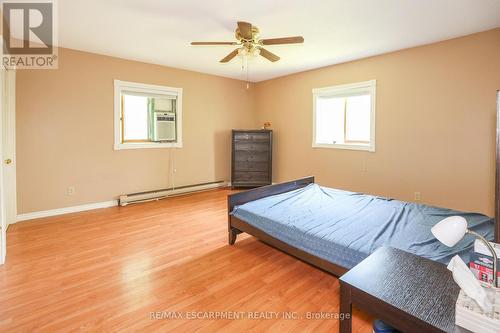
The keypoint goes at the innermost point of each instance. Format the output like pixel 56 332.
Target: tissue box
pixel 481 266
pixel 470 316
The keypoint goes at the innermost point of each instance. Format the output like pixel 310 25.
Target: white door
pixel 8 204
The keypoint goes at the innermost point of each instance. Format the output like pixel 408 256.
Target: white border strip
pixel 66 210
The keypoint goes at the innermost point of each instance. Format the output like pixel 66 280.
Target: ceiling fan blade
pixel 245 29
pixel 284 40
pixel 230 56
pixel 268 55
pixel 213 43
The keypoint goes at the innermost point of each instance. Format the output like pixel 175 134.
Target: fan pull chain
pixel 244 69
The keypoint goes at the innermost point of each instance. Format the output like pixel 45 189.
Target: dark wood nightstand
pixel 408 292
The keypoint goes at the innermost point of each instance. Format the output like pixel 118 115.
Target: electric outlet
pixel 418 196
pixel 71 190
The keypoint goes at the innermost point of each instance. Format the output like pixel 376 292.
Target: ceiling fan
pixel 249 42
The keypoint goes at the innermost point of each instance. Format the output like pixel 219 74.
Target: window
pixel 344 116
pixel 147 116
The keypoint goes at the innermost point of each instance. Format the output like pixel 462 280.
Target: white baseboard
pixel 66 210
pixel 105 204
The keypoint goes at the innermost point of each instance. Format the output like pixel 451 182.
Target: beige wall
pixel 435 127
pixel 435 124
pixel 65 131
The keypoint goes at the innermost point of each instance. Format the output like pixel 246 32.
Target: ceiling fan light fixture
pixel 242 52
pixel 250 45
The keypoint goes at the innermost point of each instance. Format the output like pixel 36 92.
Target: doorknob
pixel 8 161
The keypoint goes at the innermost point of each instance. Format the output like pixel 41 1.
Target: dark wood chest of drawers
pixel 251 163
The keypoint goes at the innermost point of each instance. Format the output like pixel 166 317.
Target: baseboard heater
pixel 128 199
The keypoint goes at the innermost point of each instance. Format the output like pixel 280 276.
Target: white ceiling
pixel 335 31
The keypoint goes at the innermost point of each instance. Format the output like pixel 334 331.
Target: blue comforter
pixel 345 227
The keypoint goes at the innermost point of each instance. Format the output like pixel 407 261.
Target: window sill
pixel 369 148
pixel 140 145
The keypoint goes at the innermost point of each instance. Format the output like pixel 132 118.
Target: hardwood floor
pixel 127 268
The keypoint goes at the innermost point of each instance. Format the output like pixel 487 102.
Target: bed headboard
pixel 497 175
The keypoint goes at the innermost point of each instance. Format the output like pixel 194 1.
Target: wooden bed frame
pixel 237 226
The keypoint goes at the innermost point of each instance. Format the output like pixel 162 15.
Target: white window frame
pixel 346 90
pixel 121 86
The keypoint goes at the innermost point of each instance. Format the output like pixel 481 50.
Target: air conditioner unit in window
pixel 164 128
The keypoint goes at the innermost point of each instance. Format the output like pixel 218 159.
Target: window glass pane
pixel 135 117
pixel 358 118
pixel 329 120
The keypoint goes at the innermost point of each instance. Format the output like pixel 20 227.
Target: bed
pixel 334 229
